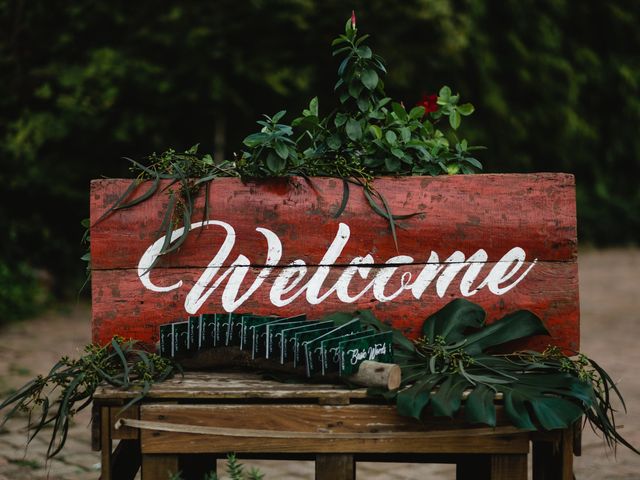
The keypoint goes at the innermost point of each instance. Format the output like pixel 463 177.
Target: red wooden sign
pixel 506 242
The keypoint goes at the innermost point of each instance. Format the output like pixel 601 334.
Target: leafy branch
pixel 70 384
pixel 369 135
pixel 456 354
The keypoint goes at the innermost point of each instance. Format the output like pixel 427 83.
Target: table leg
pixel 335 466
pixel 509 467
pixel 159 467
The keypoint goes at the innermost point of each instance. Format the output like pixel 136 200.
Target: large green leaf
pixel 446 401
pixel 555 412
pixel 516 408
pixel 451 321
pixel 480 406
pixel 513 326
pixel 412 401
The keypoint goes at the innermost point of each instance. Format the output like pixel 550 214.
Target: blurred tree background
pixel 555 83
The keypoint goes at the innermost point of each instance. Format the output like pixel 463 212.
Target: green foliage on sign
pixel 540 391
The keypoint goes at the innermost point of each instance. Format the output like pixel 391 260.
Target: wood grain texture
pixel 508 467
pixel 335 466
pixel 159 467
pixel 359 422
pixel 216 386
pixel 535 212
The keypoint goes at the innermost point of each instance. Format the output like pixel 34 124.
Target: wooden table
pixel 186 423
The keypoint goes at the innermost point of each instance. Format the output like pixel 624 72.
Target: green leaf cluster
pixel 53 399
pixel 368 134
pixel 454 369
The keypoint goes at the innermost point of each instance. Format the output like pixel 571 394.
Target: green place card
pixel 248 322
pixel 330 349
pixel 259 336
pixel 300 339
pixel 234 330
pixel 288 338
pixel 194 332
pixel 180 343
pixel 221 329
pixel 166 340
pixel 376 347
pixel 274 336
pixel 207 329
pixel 313 348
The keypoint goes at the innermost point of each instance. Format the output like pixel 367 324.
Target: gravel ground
pixel 610 333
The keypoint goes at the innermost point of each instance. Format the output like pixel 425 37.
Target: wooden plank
pixel 335 466
pixel 122 305
pixel 105 444
pixel 124 433
pixel 219 386
pixel 508 467
pixel 533 211
pixel 96 424
pixel 158 467
pixel 126 460
pixel 553 460
pixel 319 429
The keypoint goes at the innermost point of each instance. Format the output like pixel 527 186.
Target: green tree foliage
pixel 555 85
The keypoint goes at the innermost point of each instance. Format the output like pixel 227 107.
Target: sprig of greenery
pixel 379 135
pixel 369 135
pixel 540 391
pixel 69 386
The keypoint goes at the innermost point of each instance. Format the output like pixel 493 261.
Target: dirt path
pixel 610 334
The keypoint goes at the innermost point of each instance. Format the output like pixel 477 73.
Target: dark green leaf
pixel 447 399
pixel 553 412
pixel 275 163
pixel 345 198
pixel 412 401
pixel 400 112
pixel 454 119
pixel 370 79
pixel 278 116
pixel 392 164
pixel 282 150
pixel 364 52
pixel 513 326
pixel 451 321
pixel 417 113
pixel 466 109
pixel 391 137
pixel 334 142
pixel 353 130
pixel 480 407
pixel 516 409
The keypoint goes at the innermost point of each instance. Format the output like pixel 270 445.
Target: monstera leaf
pixel 539 390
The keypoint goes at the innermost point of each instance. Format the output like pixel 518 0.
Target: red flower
pixel 353 19
pixel 429 102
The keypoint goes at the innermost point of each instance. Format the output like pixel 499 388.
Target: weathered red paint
pixel 494 212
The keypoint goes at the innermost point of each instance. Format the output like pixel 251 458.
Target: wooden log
pixel 377 374
pixel 369 374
